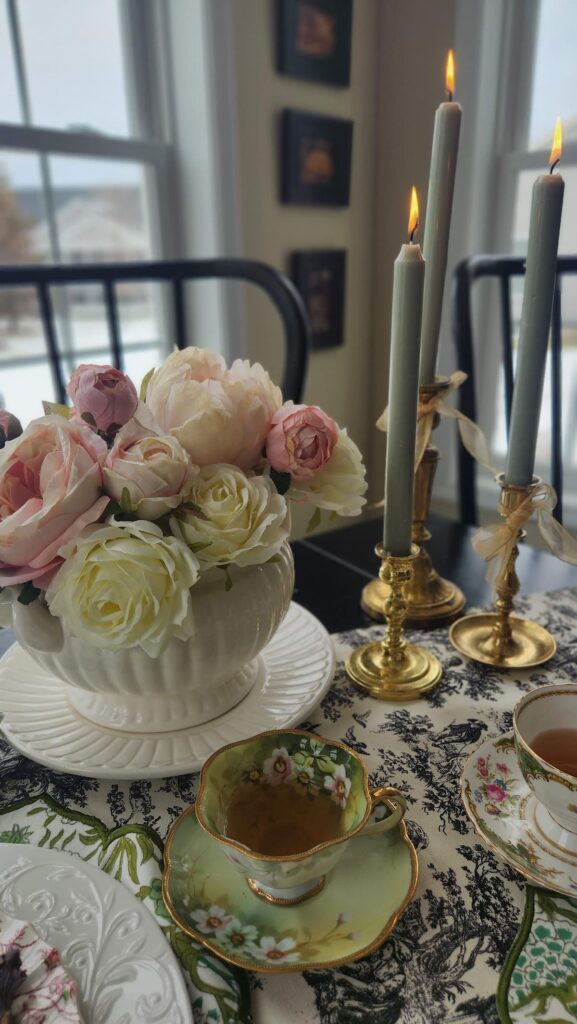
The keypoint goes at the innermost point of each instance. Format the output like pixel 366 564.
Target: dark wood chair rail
pixel 279 289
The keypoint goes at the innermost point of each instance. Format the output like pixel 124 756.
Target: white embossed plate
pixel 124 969
pixel 37 719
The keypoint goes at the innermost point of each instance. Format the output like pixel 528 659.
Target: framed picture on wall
pixel 314 39
pixel 316 159
pixel 319 275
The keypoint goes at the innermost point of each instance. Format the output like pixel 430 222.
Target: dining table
pixel 451 956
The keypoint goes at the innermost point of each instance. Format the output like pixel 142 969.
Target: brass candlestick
pixel 498 638
pixel 431 600
pixel 392 669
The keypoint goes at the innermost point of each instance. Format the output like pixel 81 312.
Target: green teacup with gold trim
pixel 282 806
pixel 545 727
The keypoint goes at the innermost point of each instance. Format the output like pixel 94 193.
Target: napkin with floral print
pixel 34 987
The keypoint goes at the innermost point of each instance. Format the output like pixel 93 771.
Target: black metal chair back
pixel 503 269
pixel 176 273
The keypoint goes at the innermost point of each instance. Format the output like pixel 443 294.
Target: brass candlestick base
pixel 431 600
pixel 497 638
pixel 392 669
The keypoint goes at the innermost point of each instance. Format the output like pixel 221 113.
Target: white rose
pixel 340 485
pixel 218 415
pixel 155 471
pixel 230 517
pixel 125 585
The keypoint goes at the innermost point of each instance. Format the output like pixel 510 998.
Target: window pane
pixel 99 210
pixel 100 217
pixel 74 64
pixel 555 74
pixel 9 102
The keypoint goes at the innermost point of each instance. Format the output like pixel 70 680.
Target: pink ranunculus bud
pixel 301 440
pixel 104 395
pixel 10 427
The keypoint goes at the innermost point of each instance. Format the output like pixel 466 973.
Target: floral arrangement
pixel 112 509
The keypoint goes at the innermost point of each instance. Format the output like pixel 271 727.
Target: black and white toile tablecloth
pixel 442 963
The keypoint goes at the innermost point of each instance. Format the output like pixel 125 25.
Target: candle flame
pixel 413 214
pixel 450 74
pixel 557 144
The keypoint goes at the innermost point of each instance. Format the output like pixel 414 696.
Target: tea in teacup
pixel 277 820
pixel 559 748
pixel 545 727
pixel 284 804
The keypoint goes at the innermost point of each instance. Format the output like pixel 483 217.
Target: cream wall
pixel 414 37
pixel 398 53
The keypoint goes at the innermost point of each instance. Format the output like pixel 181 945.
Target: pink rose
pixel 156 471
pixel 495 792
pixel 10 427
pixel 104 394
pixel 50 489
pixel 301 440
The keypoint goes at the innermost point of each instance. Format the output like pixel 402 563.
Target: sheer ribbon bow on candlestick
pixel 495 543
pixel 472 436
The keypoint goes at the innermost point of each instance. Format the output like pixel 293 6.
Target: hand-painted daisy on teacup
pixel 283 806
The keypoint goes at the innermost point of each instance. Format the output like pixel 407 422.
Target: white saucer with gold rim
pixel 512 822
pixel 358 907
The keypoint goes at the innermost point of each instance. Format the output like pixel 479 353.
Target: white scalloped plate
pixel 39 721
pixel 109 943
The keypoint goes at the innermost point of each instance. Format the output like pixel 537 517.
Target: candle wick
pixel 553 166
pixel 412 235
pixel 450 95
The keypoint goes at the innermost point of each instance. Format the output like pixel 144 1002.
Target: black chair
pixel 503 269
pixel 176 272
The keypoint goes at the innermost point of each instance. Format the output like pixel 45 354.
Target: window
pixel 518 73
pixel 81 180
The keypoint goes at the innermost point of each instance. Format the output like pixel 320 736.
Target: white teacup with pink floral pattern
pixel 283 768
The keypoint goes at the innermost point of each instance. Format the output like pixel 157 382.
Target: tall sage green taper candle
pixel 544 225
pixel 438 223
pixel 403 392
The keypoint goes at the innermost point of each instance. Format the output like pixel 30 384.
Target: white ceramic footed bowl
pixel 192 681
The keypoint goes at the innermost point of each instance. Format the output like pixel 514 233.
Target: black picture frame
pixel 316 159
pixel 314 40
pixel 320 276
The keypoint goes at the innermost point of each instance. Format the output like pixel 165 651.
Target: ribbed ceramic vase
pixel 192 681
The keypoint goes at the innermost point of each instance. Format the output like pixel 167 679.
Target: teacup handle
pixel 378 794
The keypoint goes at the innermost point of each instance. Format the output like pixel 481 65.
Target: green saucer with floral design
pixel 357 909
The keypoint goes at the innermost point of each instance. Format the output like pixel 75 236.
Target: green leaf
pixel 56 409
pixel 228 579
pixel 144 385
pixel 326 766
pixel 314 520
pixel 28 594
pixel 88 418
pixel 126 502
pixel 282 481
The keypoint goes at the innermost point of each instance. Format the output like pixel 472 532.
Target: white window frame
pixel 495 46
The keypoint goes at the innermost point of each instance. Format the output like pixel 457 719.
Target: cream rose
pixel 155 472
pixel 126 585
pixel 231 517
pixel 340 485
pixel 219 415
